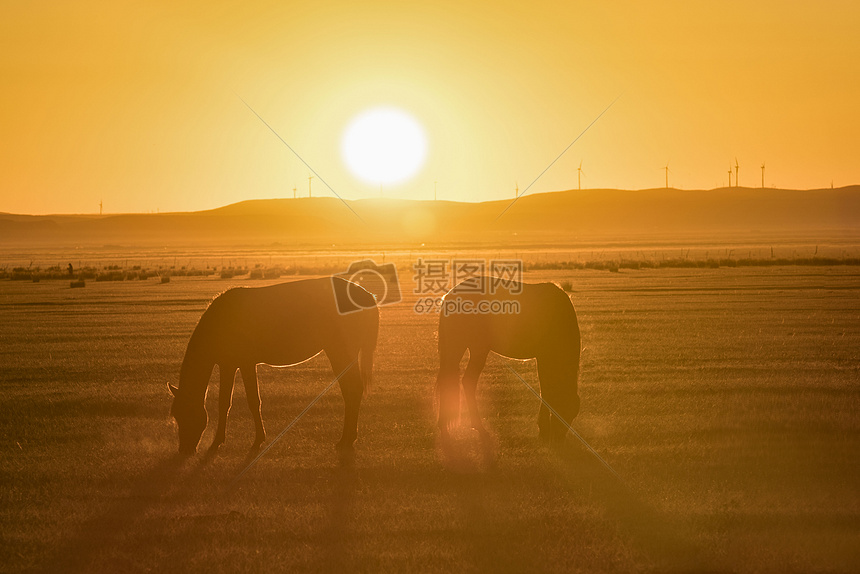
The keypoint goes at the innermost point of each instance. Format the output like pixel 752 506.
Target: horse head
pixel 562 394
pixel 191 420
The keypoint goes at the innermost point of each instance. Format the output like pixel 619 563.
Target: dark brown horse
pixel 280 325
pixel 517 320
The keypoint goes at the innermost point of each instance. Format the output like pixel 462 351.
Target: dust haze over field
pixel 726 399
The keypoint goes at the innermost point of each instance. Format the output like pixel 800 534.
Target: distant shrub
pixel 612 266
pixel 256 274
pixel 165 279
pixel 273 273
pixel 539 266
pixel 77 284
pixel 567 286
pixel 226 274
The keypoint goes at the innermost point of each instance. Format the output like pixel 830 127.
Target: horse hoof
pixel 444 433
pixel 344 445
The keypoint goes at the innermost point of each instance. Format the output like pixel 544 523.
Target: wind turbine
pixel 762 175
pixel 579 175
pixel 310 194
pixel 294 191
pixel 100 206
pixel 730 175
pixel 667 174
pixel 736 171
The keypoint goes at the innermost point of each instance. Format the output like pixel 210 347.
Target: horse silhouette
pixel 516 320
pixel 279 325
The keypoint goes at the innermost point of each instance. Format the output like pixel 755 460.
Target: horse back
pixel 282 324
pixel 531 320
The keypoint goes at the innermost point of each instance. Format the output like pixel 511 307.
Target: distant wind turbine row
pixel 736 172
pixel 579 174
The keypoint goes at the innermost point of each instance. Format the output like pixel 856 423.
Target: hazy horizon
pixel 502 200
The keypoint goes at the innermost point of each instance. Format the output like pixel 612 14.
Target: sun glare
pixel 384 145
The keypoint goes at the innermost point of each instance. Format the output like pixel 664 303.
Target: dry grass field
pixel 727 400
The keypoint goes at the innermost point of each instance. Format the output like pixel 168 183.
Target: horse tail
pixel 368 347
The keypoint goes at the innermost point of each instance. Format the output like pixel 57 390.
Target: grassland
pixel 726 399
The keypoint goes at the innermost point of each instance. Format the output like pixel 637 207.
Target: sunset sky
pixel 140 104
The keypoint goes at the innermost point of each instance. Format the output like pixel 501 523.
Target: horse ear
pixel 173 390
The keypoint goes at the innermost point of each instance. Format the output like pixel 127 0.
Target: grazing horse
pixel 279 325
pixel 517 320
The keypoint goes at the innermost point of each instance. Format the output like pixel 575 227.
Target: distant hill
pixel 563 218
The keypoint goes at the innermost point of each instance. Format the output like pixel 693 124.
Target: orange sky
pixel 136 103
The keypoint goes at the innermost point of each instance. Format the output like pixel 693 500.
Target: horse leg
pixel 225 399
pixel 543 423
pixel 558 389
pixel 448 386
pixel 352 389
pixel 252 392
pixel 477 360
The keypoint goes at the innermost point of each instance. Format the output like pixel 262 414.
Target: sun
pixel 384 145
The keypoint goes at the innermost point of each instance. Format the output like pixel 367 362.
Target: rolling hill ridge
pixel 565 217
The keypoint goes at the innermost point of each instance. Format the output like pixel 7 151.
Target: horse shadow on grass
pixel 657 535
pixel 336 536
pixel 653 537
pixel 106 530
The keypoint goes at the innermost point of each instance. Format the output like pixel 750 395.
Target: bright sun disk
pixel 384 145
